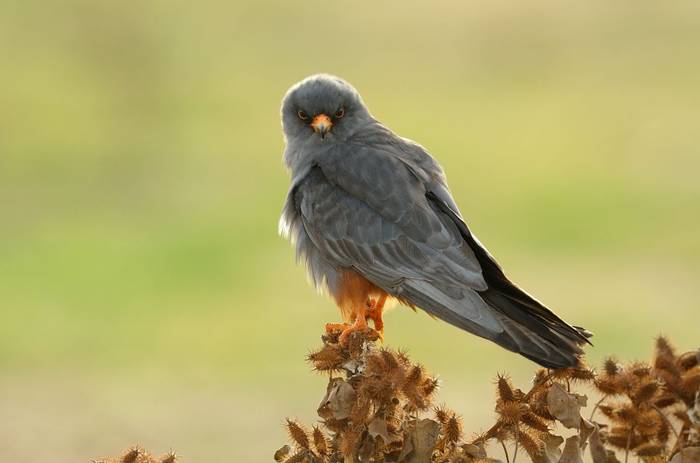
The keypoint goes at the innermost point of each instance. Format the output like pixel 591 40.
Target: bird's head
pixel 322 108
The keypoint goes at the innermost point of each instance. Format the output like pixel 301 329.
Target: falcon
pixel 372 217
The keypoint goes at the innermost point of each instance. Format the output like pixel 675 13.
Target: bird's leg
pixel 374 313
pixel 360 324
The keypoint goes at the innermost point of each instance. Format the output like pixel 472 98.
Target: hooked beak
pixel 321 124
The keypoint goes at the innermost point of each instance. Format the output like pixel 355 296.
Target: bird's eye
pixel 302 115
pixel 340 113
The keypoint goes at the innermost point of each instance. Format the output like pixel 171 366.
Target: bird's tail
pixel 534 331
pixel 529 328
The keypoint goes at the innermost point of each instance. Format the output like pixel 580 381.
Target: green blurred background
pixel 145 296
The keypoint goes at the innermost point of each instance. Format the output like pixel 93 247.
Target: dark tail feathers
pixel 530 328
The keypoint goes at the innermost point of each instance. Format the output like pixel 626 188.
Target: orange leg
pixel 374 313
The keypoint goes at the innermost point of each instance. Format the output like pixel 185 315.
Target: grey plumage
pixel 364 198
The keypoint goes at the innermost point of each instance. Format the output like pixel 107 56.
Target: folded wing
pixel 365 209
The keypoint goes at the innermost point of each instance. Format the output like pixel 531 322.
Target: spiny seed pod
pixel 649 450
pixel 648 423
pixel 453 429
pixel 389 359
pixel 349 441
pixel 611 367
pixel 282 452
pixel 626 414
pixel 666 400
pixel 329 357
pixel 131 455
pixel 168 458
pixel 664 347
pixel 402 356
pixel 298 434
pixel 415 374
pixel 668 365
pixel 532 445
pixel 442 414
pixel 505 389
pixel 511 412
pixel 430 385
pixel 626 382
pixel 320 442
pixel 608 386
pixel 689 360
pixel 360 411
pixel 620 437
pixel 532 421
pixel 645 392
pixel 664 432
pixel 541 376
pixel 639 369
pixel 691 381
pixel 376 365
pixel 582 374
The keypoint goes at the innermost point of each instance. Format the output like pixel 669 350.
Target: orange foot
pixel 331 327
pixel 360 324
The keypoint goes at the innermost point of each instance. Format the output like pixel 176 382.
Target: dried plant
pixel 138 455
pixel 379 407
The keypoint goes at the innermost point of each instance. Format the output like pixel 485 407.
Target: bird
pixel 371 216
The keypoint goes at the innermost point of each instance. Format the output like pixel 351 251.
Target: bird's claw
pixel 333 327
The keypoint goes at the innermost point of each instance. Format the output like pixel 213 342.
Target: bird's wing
pixel 371 214
pixel 365 208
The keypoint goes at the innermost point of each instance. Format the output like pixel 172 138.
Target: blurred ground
pixel 144 293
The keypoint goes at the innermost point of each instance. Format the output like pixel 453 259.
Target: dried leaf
pixel 366 450
pixel 475 451
pixel 550 450
pixel 586 429
pixel 282 453
pixel 599 453
pixel 378 427
pixel 566 407
pixel 338 401
pixel 572 451
pixel 687 455
pixel 423 436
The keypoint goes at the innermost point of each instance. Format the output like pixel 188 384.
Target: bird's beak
pixel 321 124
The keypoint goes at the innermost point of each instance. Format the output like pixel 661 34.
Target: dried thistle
pixel 138 455
pixel 372 412
pixel 505 389
pixel 298 434
pixel 131 455
pixel 320 442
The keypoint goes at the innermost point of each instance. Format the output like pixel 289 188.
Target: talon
pixel 359 325
pixel 374 313
pixel 331 327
